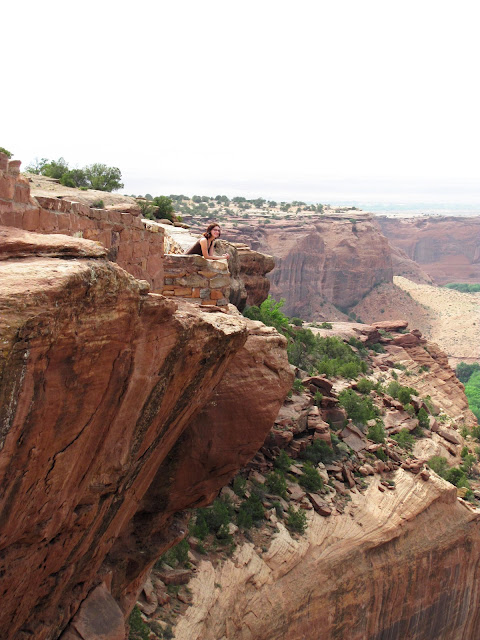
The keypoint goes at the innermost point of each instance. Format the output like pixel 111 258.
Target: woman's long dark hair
pixel 208 232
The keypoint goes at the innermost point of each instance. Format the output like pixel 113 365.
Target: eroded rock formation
pixel 100 383
pixel 333 258
pixel 446 247
pixel 396 564
pixel 390 549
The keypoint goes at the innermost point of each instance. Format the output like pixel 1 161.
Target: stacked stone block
pixel 205 282
pixel 136 248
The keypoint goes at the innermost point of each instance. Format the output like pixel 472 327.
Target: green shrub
pixel 164 208
pixel 138 629
pixel 404 439
pixel 364 385
pixel 103 178
pixel 472 391
pixel 298 386
pixel 318 451
pixel 176 555
pixel 359 409
pixel 9 154
pixel 423 419
pixel 239 486
pixel 74 178
pixel 464 287
pixel 438 464
pixel 317 399
pixel 377 347
pixel 97 204
pixel 275 483
pixel 377 433
pixel 211 519
pixel 296 321
pixel 282 461
pixel 199 529
pixel 381 455
pixel 457 477
pixel 296 520
pixel 269 313
pixel 326 325
pixel 310 480
pixel 404 395
pixel 251 511
pixel 468 461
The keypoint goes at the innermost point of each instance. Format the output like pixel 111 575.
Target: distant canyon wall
pixel 337 259
pixel 447 248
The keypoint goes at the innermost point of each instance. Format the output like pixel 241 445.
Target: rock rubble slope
pixel 390 548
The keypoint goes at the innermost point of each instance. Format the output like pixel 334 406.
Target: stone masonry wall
pixel 134 247
pixel 205 282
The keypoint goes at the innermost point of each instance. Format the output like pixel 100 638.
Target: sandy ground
pixel 454 317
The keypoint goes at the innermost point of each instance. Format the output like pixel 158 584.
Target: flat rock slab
pixel 175 576
pixel 319 504
pixel 99 618
pixel 16 243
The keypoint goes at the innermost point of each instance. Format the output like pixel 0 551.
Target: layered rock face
pixel 332 258
pixel 100 383
pixel 129 242
pixel 389 552
pixel 447 248
pixel 395 565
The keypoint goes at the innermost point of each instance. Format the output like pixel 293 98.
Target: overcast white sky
pixel 300 99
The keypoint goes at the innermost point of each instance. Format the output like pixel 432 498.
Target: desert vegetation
pixel 94 176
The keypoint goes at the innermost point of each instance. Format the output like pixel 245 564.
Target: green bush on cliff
pixel 359 409
pixel 439 464
pixel 296 520
pixel 318 451
pixel 311 479
pixel 138 629
pixel 282 461
pixel 9 154
pixel 275 483
pixel 364 385
pixel 312 353
pixel 94 176
pixel 251 511
pixel 269 313
pixel 377 432
pixel 178 554
pixel 404 439
pixel 464 371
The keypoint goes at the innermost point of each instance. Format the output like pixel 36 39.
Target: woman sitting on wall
pixel 204 246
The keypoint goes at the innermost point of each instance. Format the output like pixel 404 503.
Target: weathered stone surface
pixel 391 325
pixel 399 541
pixel 99 387
pixel 326 259
pixel 175 576
pixel 446 247
pixel 16 243
pixel 319 504
pixel 253 268
pixel 99 618
pixel 450 435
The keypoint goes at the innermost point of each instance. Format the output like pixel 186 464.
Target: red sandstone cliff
pixel 100 383
pixel 332 258
pixel 447 248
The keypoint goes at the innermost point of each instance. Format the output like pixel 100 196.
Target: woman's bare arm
pixel 204 245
